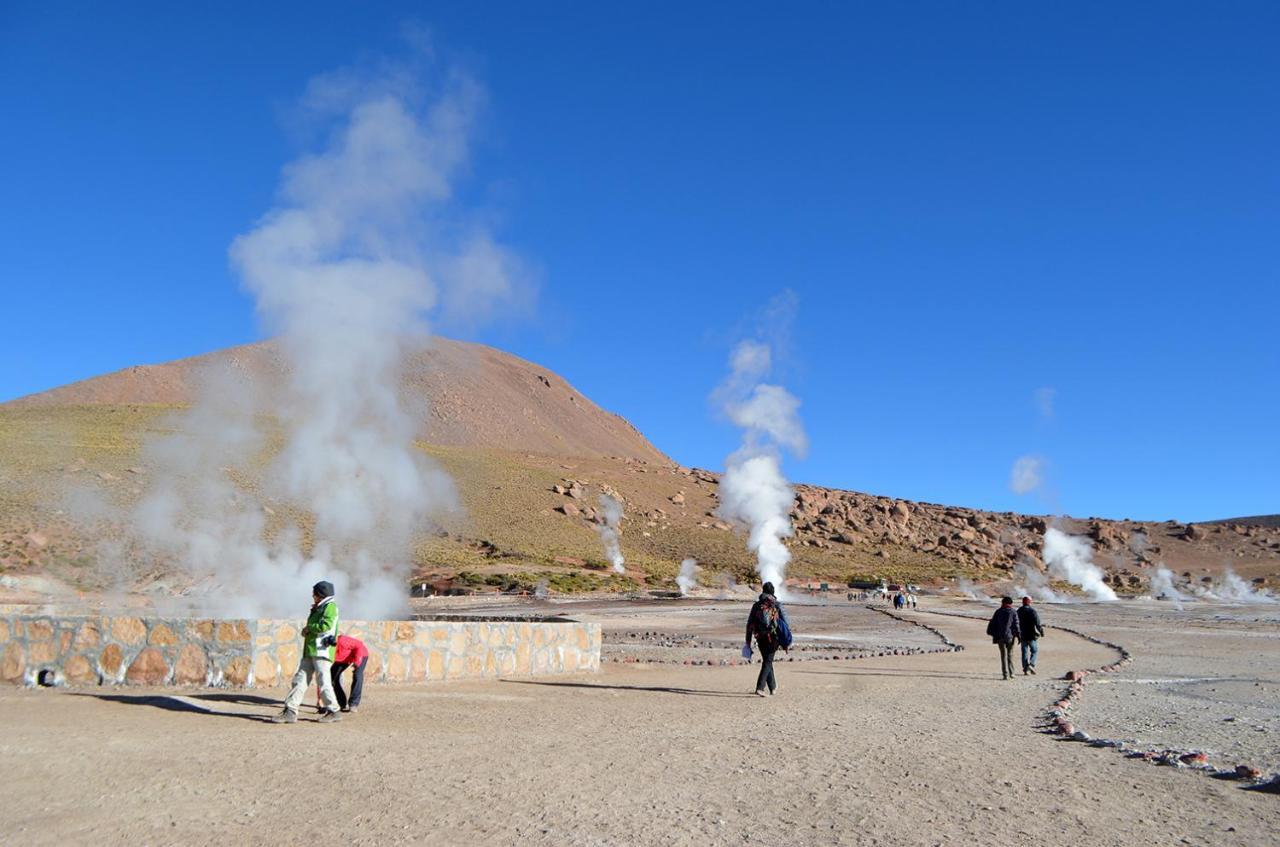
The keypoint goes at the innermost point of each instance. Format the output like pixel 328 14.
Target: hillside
pixel 531 456
pixel 1253 520
pixel 476 396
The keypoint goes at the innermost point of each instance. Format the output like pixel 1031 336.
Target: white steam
pixel 1231 588
pixel 1163 587
pixel 342 270
pixel 1070 559
pixel 687 579
pixel 753 490
pixel 1035 585
pixel 966 588
pixel 1026 475
pixel 610 530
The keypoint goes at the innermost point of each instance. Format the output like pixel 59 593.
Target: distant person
pixel 349 653
pixel 1003 630
pixel 911 598
pixel 768 623
pixel 1031 633
pixel 899 601
pixel 319 637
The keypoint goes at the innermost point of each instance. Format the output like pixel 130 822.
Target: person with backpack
pixel 1031 632
pixel 319 636
pixel 1003 629
pixel 768 623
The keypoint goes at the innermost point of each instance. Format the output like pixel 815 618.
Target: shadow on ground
pixel 180 703
pixel 656 689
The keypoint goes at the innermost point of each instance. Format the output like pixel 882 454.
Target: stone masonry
pixel 115 650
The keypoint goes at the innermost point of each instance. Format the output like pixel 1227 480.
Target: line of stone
pixel 948 647
pixel 1057 720
pixel 951 646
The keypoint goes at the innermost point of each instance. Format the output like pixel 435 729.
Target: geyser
pixel 753 490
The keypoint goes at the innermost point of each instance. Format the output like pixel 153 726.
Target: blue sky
pixel 969 204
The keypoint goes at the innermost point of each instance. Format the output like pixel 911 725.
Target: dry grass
pixel 507 525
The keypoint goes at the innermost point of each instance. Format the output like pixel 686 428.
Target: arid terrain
pixel 530 456
pixel 920 749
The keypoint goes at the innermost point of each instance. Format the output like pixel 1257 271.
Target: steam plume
pixel 967 588
pixel 688 577
pixel 1034 584
pixel 1163 587
pixel 1070 558
pixel 1230 588
pixel 342 271
pixel 1027 474
pixel 610 531
pixel 753 490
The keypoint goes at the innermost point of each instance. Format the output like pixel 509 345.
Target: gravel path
pixel 912 750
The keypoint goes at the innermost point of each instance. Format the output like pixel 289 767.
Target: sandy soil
pixel 914 750
pixel 1204 677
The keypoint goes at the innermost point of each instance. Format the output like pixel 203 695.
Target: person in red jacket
pixel 349 653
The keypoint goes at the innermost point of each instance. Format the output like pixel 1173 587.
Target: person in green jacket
pixel 319 636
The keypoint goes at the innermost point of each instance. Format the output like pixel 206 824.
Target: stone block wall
pixel 114 650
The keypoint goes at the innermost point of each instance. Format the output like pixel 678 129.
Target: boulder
pixel 149 668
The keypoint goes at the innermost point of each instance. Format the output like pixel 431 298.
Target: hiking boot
pixel 285 716
pixel 760 692
pixel 1032 669
pixel 330 717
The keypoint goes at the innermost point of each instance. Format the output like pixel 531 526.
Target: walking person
pixel 319 636
pixel 1003 630
pixel 349 653
pixel 768 623
pixel 1031 633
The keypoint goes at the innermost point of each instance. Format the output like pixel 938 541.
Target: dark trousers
pixel 1006 659
pixel 766 670
pixel 357 683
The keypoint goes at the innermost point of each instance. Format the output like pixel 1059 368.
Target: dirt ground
pixel 911 750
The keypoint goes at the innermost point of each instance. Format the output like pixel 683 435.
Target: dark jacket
pixel 756 627
pixel 1029 624
pixel 1004 625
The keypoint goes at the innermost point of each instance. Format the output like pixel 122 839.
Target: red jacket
pixel 349 651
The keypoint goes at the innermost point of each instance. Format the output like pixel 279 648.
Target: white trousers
pixel 308 669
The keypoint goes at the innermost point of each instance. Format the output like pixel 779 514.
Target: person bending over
pixel 349 653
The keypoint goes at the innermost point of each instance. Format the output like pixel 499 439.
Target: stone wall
pixel 114 650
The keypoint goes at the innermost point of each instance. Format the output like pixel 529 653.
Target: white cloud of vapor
pixel 343 271
pixel 753 490
pixel 1027 474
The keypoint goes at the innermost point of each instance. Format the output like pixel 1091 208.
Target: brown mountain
pixel 476 396
pixel 531 456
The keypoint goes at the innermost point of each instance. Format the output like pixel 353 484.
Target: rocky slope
pixel 531 457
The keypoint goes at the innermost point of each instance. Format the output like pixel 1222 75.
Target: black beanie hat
pixel 324 589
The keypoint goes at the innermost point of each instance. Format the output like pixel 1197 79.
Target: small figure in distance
pixel 1003 629
pixel 349 653
pixel 319 636
pixel 768 623
pixel 1031 633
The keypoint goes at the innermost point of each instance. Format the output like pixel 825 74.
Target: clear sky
pixel 1011 229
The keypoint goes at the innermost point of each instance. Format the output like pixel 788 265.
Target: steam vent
pixel 83 650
